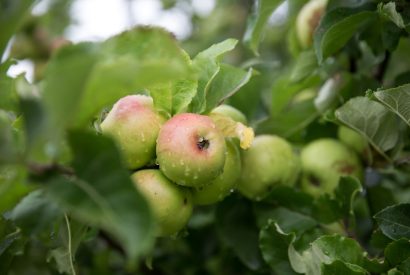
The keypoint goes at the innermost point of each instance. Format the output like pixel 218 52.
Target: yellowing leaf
pixel 233 129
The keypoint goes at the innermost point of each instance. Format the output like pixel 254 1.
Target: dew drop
pixel 231 190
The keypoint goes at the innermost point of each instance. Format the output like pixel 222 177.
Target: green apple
pixel 134 124
pixel 231 112
pixel 269 162
pixel 224 184
pixel 323 162
pixel 352 139
pixel 307 21
pixel 191 150
pixel 171 204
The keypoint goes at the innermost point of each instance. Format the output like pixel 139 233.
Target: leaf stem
pixel 69 245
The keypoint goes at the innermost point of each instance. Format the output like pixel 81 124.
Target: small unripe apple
pixel 352 139
pixel 307 21
pixel 191 150
pixel 269 162
pixel 171 204
pixel 231 112
pixel 224 184
pixel 323 162
pixel 134 124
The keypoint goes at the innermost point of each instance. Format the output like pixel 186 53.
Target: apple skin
pixel 223 185
pixel 352 139
pixel 323 162
pixel 307 21
pixel 171 204
pixel 191 150
pixel 231 112
pixel 269 162
pixel 134 124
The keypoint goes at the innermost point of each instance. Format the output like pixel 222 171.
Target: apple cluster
pixel 188 160
pixel 177 162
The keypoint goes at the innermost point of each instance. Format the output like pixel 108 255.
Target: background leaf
pixel 338 26
pixel 372 120
pixel 394 221
pixel 237 228
pixel 132 61
pixel 103 194
pixel 396 99
pixel 12 13
pixel 261 12
pixel 274 244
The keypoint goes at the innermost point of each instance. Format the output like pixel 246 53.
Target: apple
pixel 323 162
pixel 269 162
pixel 224 184
pixel 231 112
pixel 191 150
pixel 353 139
pixel 171 204
pixel 307 21
pixel 134 124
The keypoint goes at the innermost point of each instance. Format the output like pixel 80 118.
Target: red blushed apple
pixel 134 124
pixel 191 150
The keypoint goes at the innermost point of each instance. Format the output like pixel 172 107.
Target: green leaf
pixel 291 198
pixel 237 228
pixel 405 266
pixel 394 271
pixel 394 221
pixel 330 209
pixel 206 64
pixel 12 186
pixel 65 80
pixel 296 118
pixel 35 212
pixel 326 250
pixel 216 51
pixel 103 194
pixel 372 120
pixel 285 92
pixel 173 98
pixel 130 62
pixel 8 95
pixel 289 221
pixel 261 12
pixel 341 268
pixel 397 100
pixel 389 12
pixel 274 243
pixel 397 251
pixel 12 13
pixel 8 150
pixel 227 82
pixel 306 64
pixel 71 234
pixel 338 26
